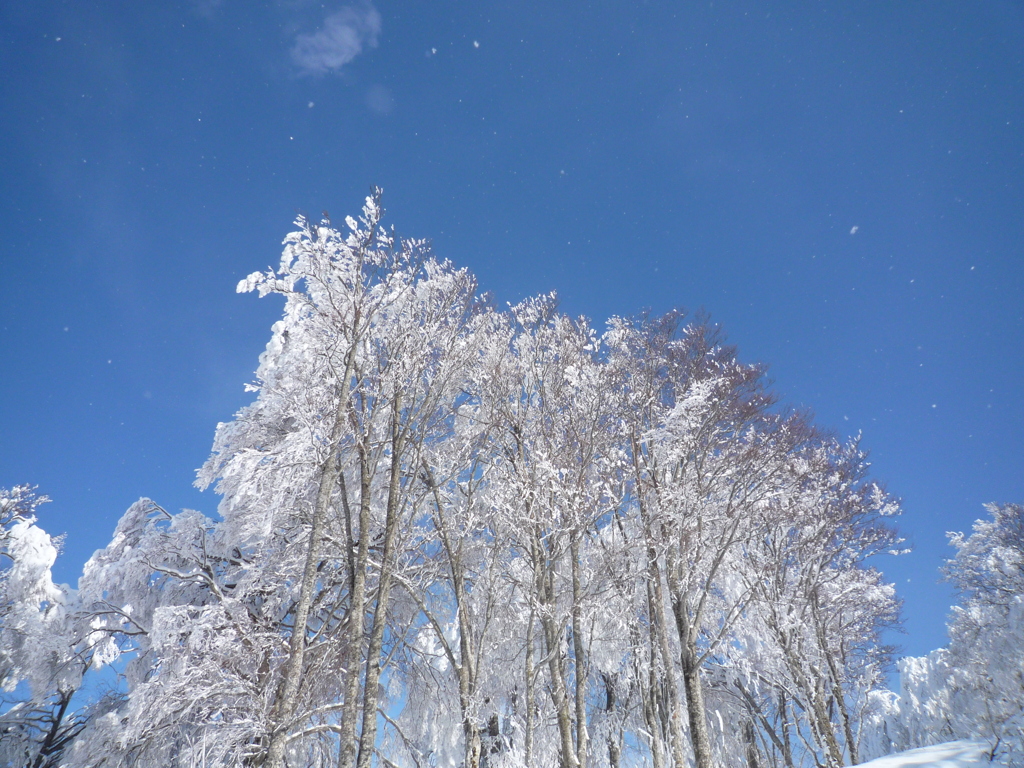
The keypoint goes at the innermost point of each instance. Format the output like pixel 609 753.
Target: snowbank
pixel 952 754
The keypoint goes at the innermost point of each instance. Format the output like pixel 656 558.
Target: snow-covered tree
pixel 813 638
pixel 555 476
pixel 735 497
pixel 320 475
pixel 41 666
pixel 706 452
pixel 193 653
pixel 974 687
pixel 28 596
pixel 455 536
pixel 986 633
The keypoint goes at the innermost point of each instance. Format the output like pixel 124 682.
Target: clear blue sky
pixel 841 185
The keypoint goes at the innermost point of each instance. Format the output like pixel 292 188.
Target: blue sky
pixel 841 185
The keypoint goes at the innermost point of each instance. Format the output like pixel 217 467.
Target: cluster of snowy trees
pixel 974 687
pixel 456 536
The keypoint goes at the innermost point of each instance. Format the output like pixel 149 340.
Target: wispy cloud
pixel 207 8
pixel 380 100
pixel 342 37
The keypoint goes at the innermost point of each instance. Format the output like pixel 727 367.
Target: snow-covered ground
pixel 952 754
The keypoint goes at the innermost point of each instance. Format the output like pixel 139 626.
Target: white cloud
pixel 342 37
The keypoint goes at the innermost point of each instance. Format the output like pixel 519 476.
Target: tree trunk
pixel 659 625
pixel 699 737
pixel 837 688
pixel 671 680
pixel 757 714
pixel 686 627
pixel 559 691
pixel 834 758
pixel 787 746
pixel 810 682
pixel 368 735
pixel 465 665
pixel 52 746
pixel 354 636
pixel 750 743
pixel 656 600
pixel 610 703
pixel 297 645
pixel 582 736
pixel 466 668
pixel 529 670
pixel 657 724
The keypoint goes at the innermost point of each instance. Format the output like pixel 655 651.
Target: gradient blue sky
pixel 841 185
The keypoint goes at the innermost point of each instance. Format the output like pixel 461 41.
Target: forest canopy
pixel 456 535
